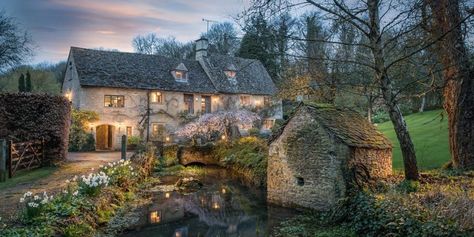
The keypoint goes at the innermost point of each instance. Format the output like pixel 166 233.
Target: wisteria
pixel 220 121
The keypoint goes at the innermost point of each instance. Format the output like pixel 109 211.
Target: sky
pixel 55 25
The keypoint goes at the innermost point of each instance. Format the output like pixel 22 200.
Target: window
pixel 205 104
pixel 180 75
pixel 189 103
pixel 245 100
pixel 157 129
pixel 114 101
pixel 129 131
pixel 268 124
pixel 230 74
pixel 266 101
pixel 156 97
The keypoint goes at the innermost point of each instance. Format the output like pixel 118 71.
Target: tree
pixel 168 47
pixel 222 38
pixel 221 122
pixel 15 44
pixel 258 43
pixel 21 83
pixel 446 30
pixel 28 86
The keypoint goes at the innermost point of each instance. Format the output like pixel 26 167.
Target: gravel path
pixel 78 163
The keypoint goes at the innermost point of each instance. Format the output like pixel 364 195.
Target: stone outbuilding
pixel 319 152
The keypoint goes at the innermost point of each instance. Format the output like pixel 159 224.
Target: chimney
pixel 201 48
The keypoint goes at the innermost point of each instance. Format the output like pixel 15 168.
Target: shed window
pixel 156 97
pixel 116 101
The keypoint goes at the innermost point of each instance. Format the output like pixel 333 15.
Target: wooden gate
pixel 25 155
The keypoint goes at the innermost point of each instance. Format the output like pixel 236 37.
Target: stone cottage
pixel 146 95
pixel 316 154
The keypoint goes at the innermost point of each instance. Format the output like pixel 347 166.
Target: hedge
pixel 26 116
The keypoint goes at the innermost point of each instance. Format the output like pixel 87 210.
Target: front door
pixel 105 137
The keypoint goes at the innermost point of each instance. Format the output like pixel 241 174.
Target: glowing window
pixel 114 101
pixel 156 97
pixel 230 74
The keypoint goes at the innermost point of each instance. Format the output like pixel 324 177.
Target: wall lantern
pixel 68 95
pixel 216 205
pixel 167 138
pixel 167 195
pixel 223 137
pixel 223 191
pixel 155 217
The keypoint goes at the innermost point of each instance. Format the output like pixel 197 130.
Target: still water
pixel 222 207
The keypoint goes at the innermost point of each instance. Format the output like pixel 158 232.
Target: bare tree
pixel 15 44
pixel 169 47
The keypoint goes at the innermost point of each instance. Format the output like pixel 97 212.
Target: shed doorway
pixel 105 137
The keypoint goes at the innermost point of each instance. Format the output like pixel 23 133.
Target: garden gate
pixel 25 155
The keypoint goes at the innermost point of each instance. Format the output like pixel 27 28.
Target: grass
pixel 429 132
pixel 27 177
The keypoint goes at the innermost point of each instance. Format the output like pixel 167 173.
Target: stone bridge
pixel 202 155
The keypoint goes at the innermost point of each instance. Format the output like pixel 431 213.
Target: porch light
pixel 68 95
pixel 223 191
pixel 167 195
pixel 155 217
pixel 216 205
pixel 167 138
pixel 223 137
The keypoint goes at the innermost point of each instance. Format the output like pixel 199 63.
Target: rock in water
pixel 189 183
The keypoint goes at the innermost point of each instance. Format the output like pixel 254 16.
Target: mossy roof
pixel 346 124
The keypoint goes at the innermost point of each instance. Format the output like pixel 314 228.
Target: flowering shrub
pixel 93 183
pixel 34 203
pixel 121 173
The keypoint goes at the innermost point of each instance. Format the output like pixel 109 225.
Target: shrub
pixel 79 138
pixel 133 140
pixel 380 117
pixel 120 173
pixel 170 155
pixel 26 116
pixel 254 132
pixel 80 229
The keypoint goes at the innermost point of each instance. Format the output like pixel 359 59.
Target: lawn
pixel 27 177
pixel 429 132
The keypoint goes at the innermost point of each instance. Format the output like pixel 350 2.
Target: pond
pixel 222 207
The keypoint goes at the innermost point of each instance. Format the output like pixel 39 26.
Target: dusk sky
pixel 55 25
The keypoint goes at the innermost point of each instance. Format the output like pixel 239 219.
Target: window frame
pixel 161 100
pixel 265 125
pixel 188 108
pixel 206 107
pixel 111 100
pixel 183 73
pixel 157 133
pixel 249 103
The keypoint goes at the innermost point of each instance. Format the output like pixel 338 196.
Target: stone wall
pixel 305 166
pixel 198 154
pixel 377 161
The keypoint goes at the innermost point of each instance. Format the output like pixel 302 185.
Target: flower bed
pixel 87 203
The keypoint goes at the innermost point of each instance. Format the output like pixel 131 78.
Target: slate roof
pixel 251 76
pixel 348 125
pixel 142 71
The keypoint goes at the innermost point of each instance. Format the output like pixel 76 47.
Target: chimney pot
pixel 201 48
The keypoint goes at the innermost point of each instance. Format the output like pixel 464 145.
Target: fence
pixel 19 156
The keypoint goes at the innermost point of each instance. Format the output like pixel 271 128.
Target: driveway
pixel 77 163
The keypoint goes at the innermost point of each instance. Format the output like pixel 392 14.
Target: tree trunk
pixel 422 106
pixel 458 75
pixel 399 124
pixel 369 109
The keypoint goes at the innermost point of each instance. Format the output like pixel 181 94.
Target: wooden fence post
pixel 3 160
pixel 124 147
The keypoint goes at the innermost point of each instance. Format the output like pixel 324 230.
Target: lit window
pixel 155 217
pixel 205 104
pixel 156 97
pixel 230 74
pixel 129 131
pixel 245 100
pixel 268 124
pixel 114 101
pixel 180 75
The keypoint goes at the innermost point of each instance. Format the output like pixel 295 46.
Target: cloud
pixel 55 25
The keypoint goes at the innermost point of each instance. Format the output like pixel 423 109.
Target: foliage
pixel 254 132
pixel 222 38
pixel 170 155
pixel 247 153
pixel 80 229
pixel 168 47
pixel 27 177
pixel 79 139
pixel 34 204
pixel 133 140
pixel 121 173
pixel 380 116
pixel 43 79
pixel 28 86
pixel 21 83
pixel 429 131
pixel 28 116
pixel 220 121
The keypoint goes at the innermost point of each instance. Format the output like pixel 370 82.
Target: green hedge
pixel 26 116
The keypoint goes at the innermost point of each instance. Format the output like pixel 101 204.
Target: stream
pixel 223 206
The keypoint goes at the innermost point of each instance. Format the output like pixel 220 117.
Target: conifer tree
pixel 21 83
pixel 28 86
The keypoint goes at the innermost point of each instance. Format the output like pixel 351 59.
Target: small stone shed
pixel 317 154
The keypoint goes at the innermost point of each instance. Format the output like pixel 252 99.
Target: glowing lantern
pixel 223 191
pixel 167 195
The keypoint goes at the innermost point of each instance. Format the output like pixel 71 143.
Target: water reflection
pixel 222 208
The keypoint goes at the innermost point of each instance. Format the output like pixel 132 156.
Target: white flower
pixel 22 199
pixel 92 169
pixel 36 197
pixel 67 181
pixel 101 166
pixel 44 201
pixel 28 194
pixel 65 191
pixel 75 193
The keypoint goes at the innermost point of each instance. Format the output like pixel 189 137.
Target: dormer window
pixel 180 73
pixel 231 71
